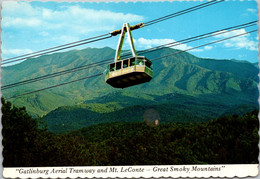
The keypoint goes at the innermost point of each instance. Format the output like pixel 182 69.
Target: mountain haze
pixel 177 78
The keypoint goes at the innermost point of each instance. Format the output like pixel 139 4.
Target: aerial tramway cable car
pixel 131 71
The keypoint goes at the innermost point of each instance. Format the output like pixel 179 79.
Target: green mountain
pixel 47 64
pixel 225 140
pixel 182 84
pixel 116 107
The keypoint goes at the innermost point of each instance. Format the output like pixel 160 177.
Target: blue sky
pixel 32 26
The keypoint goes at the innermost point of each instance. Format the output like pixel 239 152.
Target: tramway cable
pixel 55 86
pixel 109 35
pixel 63 48
pixel 91 38
pixel 150 60
pixel 205 45
pixel 103 62
pixel 199 37
pixel 182 12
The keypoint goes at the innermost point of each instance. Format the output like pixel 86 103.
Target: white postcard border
pixel 156 171
pixel 230 171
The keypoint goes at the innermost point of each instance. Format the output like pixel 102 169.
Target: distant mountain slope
pixel 118 107
pixel 182 73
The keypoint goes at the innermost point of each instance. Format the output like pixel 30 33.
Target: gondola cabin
pixel 129 72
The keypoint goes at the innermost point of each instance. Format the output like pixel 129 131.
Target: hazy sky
pixel 32 26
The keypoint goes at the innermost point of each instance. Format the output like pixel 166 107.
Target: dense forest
pixel 226 140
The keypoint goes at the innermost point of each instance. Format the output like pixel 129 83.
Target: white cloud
pixel 251 10
pixel 18 9
pixel 238 42
pixel 225 33
pixel 67 39
pixel 73 18
pixel 31 26
pixel 44 34
pixel 29 22
pixel 208 47
pixel 149 43
pixel 15 52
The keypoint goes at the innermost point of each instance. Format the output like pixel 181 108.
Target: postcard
pixel 108 89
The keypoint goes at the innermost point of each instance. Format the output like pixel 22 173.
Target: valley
pixel 185 88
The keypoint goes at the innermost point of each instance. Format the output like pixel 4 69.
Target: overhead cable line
pixel 55 50
pixel 55 86
pixel 52 75
pixel 109 35
pixel 182 12
pixel 72 43
pixel 103 62
pixel 199 37
pixel 150 60
pixel 204 45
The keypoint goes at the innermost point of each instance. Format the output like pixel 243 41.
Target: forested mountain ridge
pixel 225 140
pixel 203 107
pixel 183 73
pixel 116 107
